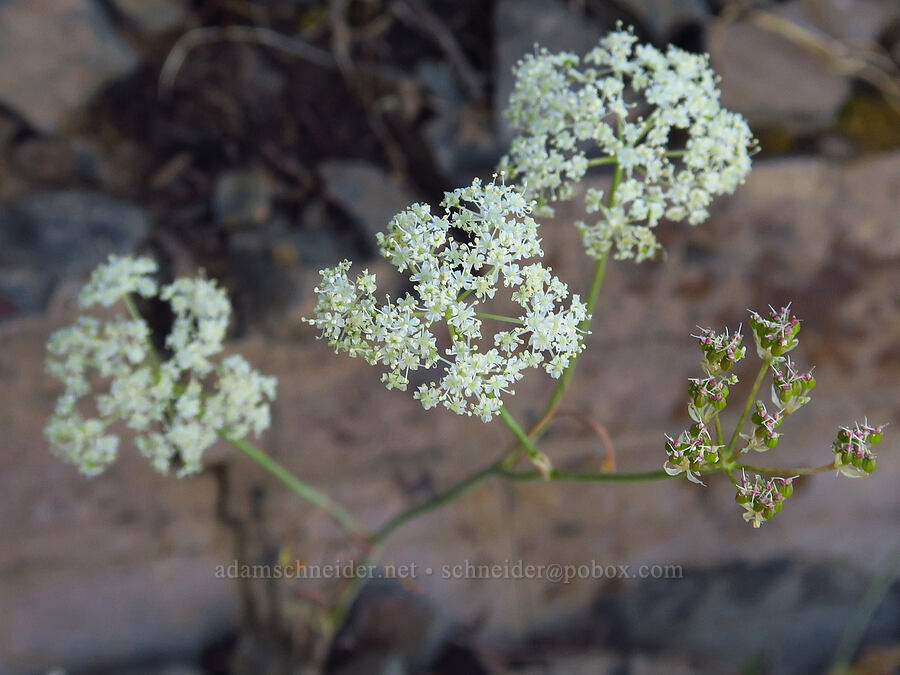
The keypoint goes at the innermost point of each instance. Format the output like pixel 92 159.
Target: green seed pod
pixel 868 464
pixel 725 391
pixel 757 418
pixel 698 400
pixel 725 364
pixel 796 388
pixel 778 349
pixel 741 498
pixel 720 404
pixel 771 441
pixel 768 513
pixel 786 395
pixel 710 457
pixel 786 489
pixel 811 383
pixel 795 329
pixel 695 429
pixel 875 438
pixel 759 432
pixel 843 436
pixel 778 506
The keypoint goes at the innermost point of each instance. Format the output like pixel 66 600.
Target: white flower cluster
pixel 450 278
pixel 166 404
pixel 628 105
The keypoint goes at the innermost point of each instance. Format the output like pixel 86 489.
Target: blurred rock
pixel 390 629
pixel 58 160
pixel 461 134
pixel 55 55
pixel 664 18
pixel 374 664
pixel 775 82
pixel 243 198
pixel 316 241
pixel 367 193
pixel 785 616
pixel 575 664
pixel 518 26
pixel 151 17
pixel 9 127
pixel 49 236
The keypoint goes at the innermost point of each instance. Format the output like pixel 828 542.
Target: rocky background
pixel 263 140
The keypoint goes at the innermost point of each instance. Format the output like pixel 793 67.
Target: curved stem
pixel 436 502
pixel 600 161
pixel 341 516
pixel 862 614
pixel 590 477
pixel 136 316
pixel 771 471
pixel 538 458
pixel 591 302
pixel 728 452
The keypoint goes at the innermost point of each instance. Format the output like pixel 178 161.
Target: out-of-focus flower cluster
pixel 625 104
pixel 172 407
pixel 762 497
pixel 852 455
pixel 450 279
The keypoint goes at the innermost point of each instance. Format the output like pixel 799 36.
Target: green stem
pixel 538 458
pixel 862 615
pixel 436 502
pixel 728 452
pixel 731 477
pixel 136 316
pixel 378 539
pixel 589 477
pixel 600 161
pixel 718 430
pixel 592 297
pixel 499 317
pixel 771 471
pixel 307 492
